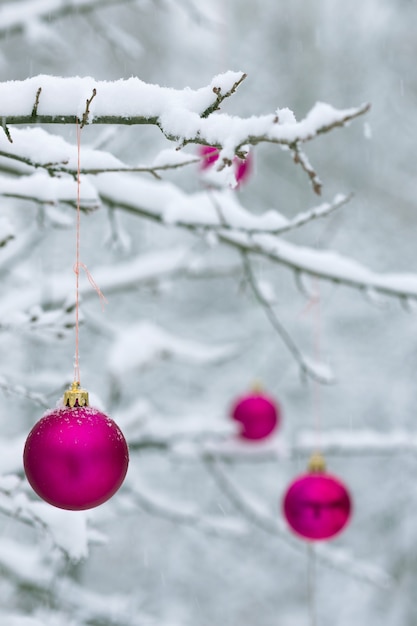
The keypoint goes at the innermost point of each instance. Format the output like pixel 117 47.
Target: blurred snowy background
pixel 181 549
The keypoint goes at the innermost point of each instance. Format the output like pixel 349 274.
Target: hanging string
pixel 79 265
pixel 77 377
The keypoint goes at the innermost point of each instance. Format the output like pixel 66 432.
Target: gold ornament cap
pixel 257 386
pixel 75 396
pixel 317 464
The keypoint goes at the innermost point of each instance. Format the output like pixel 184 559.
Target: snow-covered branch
pixel 47 581
pixel 222 446
pixel 326 264
pixel 19 390
pixel 162 203
pixel 42 189
pixel 301 158
pixel 358 442
pixel 16 18
pixel 182 115
pixel 316 371
pixel 323 210
pixel 165 203
pixel 185 514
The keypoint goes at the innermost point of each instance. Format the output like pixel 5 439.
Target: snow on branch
pixel 185 514
pixel 165 203
pixel 68 533
pixel 182 115
pixel 19 248
pixel 359 442
pixel 17 17
pixel 46 580
pixel 42 189
pixel 220 444
pixel 327 265
pixel 7 231
pixel 9 388
pixel 35 148
pixel 157 344
pixel 54 100
pixel 316 371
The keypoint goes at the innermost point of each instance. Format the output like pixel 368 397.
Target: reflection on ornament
pixel 243 167
pixel 75 457
pixel 317 506
pixel 258 414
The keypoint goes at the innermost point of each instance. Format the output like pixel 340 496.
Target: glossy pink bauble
pixel 75 458
pixel 243 167
pixel 317 506
pixel 258 415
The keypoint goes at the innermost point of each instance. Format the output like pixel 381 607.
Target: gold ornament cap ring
pixel 75 396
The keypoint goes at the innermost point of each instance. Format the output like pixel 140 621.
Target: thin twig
pixel 220 97
pixel 86 113
pixel 299 220
pixel 7 131
pixel 324 210
pixel 186 517
pixel 44 12
pixel 61 167
pixel 302 361
pixel 36 104
pixel 18 390
pixel 301 158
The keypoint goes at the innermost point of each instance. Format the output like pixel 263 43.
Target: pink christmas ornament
pixel 317 506
pixel 243 167
pixel 258 415
pixel 75 457
pixel 209 155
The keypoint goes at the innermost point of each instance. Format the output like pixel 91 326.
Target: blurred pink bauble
pixel 75 458
pixel 258 414
pixel 317 506
pixel 243 167
pixel 209 155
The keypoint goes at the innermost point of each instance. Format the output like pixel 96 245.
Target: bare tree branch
pixel 325 265
pixel 63 168
pixel 251 130
pixel 323 210
pixel 14 23
pixel 222 96
pixel 186 516
pixel 86 114
pixel 306 366
pixel 301 158
pixel 19 390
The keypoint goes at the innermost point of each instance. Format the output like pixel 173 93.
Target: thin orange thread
pixel 77 377
pixel 78 265
pixel 103 299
